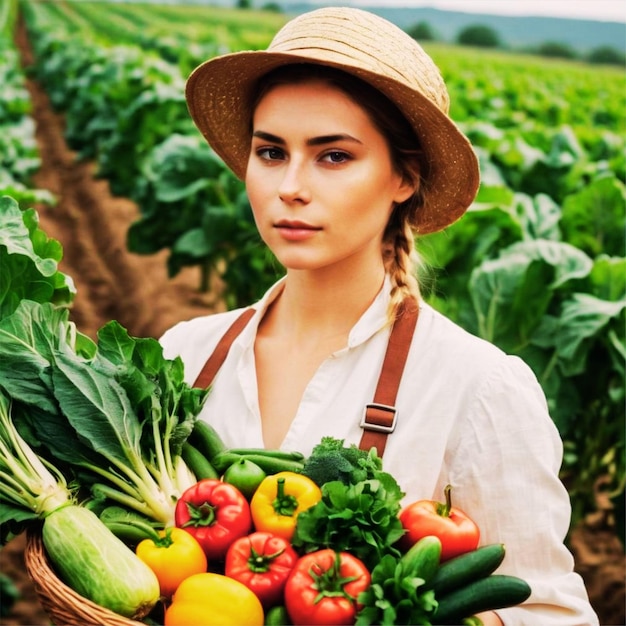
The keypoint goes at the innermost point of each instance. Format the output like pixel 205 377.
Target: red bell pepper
pixel 323 587
pixel 457 532
pixel 261 561
pixel 215 513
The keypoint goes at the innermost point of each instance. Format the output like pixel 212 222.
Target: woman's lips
pixel 296 230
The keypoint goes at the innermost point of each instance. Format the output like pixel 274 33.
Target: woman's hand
pixel 489 618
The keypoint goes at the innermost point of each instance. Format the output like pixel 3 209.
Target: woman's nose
pixel 294 186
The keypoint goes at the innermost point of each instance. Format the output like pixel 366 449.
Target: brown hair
pixel 399 254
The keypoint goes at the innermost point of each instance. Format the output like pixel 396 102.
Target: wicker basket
pixel 64 606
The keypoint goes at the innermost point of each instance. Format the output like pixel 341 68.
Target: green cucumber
pixel 467 567
pixel 292 455
pixel 207 440
pixel 277 616
pixel 96 564
pixel 197 462
pixel 268 463
pixel 485 594
pixel 422 559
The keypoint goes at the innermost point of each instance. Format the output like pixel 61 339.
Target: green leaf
pixel 28 261
pixel 582 318
pixel 594 219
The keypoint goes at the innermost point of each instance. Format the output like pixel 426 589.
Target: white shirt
pixel 468 415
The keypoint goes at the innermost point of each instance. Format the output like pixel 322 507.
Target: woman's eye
pixel 270 154
pixel 336 156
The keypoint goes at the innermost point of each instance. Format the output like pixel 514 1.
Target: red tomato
pixel 457 532
pixel 262 562
pixel 323 588
pixel 215 513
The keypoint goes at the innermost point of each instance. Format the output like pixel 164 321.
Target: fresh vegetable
pixel 245 475
pixel 467 567
pixel 280 499
pixel 216 514
pixel 262 562
pixel 206 440
pixel 87 555
pixel 400 590
pixel 323 588
pixel 118 413
pixel 332 460
pixel 270 461
pixel 98 565
pixel 173 555
pixel 277 616
pixel 486 594
pixel 210 599
pixel 360 518
pixel 197 462
pixel 422 559
pixel 130 526
pixel 457 532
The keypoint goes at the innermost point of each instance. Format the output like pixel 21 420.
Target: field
pixel 121 179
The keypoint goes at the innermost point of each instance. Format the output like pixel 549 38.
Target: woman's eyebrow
pixel 314 141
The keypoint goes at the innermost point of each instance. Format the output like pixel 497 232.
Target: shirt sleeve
pixel 504 471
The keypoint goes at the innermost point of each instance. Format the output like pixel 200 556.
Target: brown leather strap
pixel 214 362
pixel 381 415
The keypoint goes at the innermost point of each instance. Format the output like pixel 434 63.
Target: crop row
pixel 19 155
pixel 536 266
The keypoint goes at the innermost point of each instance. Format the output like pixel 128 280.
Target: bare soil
pixel 112 283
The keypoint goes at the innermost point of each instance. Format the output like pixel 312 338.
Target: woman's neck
pixel 317 305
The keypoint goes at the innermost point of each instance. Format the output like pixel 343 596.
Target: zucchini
pixel 197 462
pixel 97 564
pixel 206 439
pixel 422 559
pixel 467 567
pixel 486 594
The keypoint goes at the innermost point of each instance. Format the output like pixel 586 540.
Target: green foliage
pixel 422 31
pixel 479 35
pixel 361 518
pixel 19 155
pixel 29 261
pixel 556 49
pixel 607 55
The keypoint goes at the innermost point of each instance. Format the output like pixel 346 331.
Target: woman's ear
pixel 410 182
pixel 406 189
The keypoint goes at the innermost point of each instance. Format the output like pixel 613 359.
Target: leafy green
pixel 29 261
pixel 394 598
pixel 118 418
pixel 360 518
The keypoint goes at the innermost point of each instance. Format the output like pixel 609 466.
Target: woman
pixel 340 131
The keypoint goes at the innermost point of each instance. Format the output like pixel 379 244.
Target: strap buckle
pixel 381 428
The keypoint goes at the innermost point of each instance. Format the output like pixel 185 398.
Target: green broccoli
pixel 332 460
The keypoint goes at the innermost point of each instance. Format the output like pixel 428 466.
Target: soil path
pixel 111 283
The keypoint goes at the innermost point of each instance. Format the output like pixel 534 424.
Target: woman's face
pixel 320 178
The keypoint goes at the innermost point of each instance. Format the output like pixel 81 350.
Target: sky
pixel 603 10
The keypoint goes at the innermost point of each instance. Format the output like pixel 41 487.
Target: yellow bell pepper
pixel 278 501
pixel 209 599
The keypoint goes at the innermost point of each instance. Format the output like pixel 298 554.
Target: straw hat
pixel 220 92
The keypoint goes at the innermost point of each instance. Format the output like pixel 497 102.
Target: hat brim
pixel 220 93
